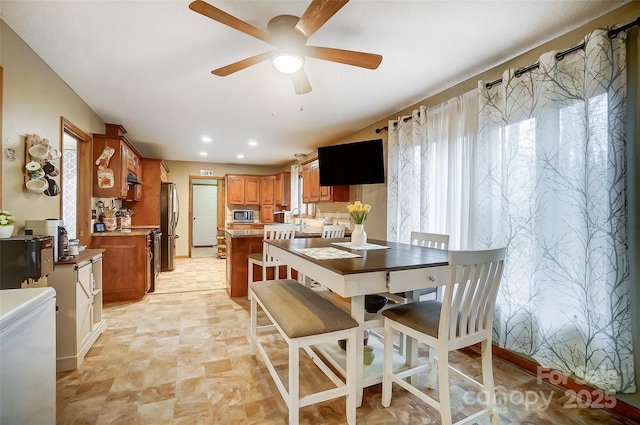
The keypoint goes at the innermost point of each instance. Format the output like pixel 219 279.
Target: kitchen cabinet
pixel 267 190
pixel 127 266
pixel 306 183
pixel 79 323
pixel 243 189
pixel 266 213
pixel 147 210
pixel 267 198
pixel 283 189
pixel 312 192
pixel 111 181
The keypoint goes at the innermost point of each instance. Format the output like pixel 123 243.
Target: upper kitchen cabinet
pixel 117 165
pixel 267 190
pixel 243 189
pixel 267 198
pixel 147 210
pixel 312 192
pixel 283 189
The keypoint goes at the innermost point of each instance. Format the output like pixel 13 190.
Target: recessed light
pixel 203 154
pixel 253 143
pixel 240 156
pixel 206 139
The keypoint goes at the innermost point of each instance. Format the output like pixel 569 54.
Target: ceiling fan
pixel 289 35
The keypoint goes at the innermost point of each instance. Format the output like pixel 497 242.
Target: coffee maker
pixel 50 227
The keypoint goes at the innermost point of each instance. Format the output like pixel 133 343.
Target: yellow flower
pixel 358 211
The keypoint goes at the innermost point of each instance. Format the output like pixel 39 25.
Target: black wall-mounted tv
pixel 351 163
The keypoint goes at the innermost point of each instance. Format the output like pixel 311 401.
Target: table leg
pixel 357 312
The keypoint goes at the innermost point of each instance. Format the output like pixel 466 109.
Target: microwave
pixel 242 216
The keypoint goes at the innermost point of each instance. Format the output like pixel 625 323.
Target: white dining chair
pixel 333 231
pixel 328 232
pixel 430 240
pixel 462 319
pixel 261 259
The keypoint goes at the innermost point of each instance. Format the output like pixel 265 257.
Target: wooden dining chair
pixel 462 319
pixel 261 259
pixel 333 231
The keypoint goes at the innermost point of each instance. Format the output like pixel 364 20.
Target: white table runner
pixel 326 253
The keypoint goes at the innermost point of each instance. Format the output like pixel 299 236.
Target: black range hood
pixel 132 179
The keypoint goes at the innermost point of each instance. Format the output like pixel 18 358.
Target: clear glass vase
pixel 359 235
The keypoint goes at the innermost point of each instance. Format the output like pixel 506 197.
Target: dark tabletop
pixel 399 256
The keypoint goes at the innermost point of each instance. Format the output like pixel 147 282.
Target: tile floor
pixel 181 356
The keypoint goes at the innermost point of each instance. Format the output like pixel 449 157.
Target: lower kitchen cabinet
pixel 127 264
pixel 78 285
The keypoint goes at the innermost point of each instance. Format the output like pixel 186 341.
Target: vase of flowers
pixel 6 224
pixel 358 212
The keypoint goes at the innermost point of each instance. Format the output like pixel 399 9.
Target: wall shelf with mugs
pixel 42 166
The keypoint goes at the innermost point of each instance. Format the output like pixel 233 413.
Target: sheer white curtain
pixel 551 186
pixel 429 171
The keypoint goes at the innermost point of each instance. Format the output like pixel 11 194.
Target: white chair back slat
pixel 430 240
pixel 471 292
pixel 336 231
pixel 276 231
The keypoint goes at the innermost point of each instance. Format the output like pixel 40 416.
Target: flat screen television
pixel 351 163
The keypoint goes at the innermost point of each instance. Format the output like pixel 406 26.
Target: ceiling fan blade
pixel 216 14
pixel 240 65
pixel 347 57
pixel 318 12
pixel 300 82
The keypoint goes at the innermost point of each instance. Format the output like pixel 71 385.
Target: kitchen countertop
pixel 138 231
pixel 308 232
pixel 84 255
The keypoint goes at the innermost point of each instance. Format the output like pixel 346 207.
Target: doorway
pixel 206 212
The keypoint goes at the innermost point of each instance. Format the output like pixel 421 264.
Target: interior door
pixel 205 215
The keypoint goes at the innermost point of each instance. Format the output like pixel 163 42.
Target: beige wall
pixel 179 172
pixel 34 100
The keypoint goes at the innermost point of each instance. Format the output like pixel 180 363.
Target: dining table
pixel 351 272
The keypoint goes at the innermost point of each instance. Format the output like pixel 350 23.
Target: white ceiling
pixel 146 65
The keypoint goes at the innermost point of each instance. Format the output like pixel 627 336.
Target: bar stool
pixel 462 319
pixel 261 259
pixel 333 231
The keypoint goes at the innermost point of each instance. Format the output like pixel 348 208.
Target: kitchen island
pixel 241 244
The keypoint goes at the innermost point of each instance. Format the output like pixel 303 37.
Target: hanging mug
pixel 50 169
pixel 35 170
pixel 53 188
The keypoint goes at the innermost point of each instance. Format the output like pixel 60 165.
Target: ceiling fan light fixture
pixel 287 62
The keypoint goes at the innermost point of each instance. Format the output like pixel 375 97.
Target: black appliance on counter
pixel 25 257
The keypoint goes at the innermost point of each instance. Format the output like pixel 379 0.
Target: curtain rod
pixel 559 56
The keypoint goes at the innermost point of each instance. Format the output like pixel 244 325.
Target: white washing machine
pixel 28 356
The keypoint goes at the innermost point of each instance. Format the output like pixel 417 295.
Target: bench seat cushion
pixel 299 310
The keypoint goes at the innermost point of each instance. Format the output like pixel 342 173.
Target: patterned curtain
pixel 552 187
pixel 429 171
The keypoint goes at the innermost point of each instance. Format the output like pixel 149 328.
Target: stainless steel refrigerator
pixel 169 214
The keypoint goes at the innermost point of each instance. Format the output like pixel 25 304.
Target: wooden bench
pixel 303 318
